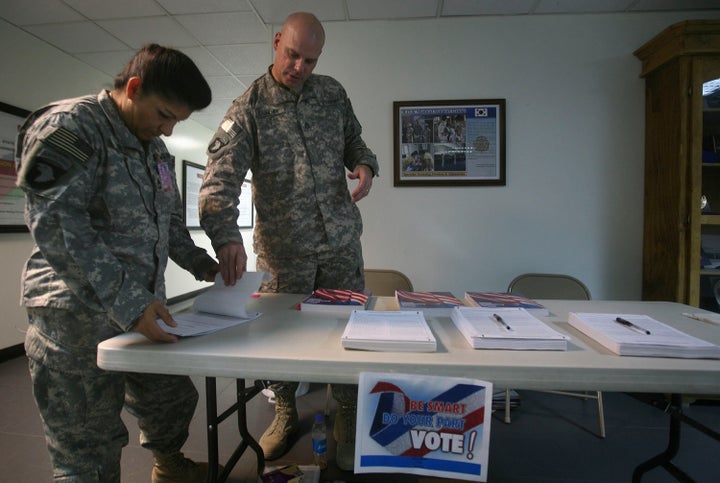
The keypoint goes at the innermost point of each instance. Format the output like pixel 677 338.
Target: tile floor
pixel 551 439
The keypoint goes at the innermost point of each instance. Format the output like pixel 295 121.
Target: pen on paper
pixel 629 324
pixel 500 319
pixel 709 318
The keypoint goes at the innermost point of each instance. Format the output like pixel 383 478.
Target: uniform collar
pixel 120 129
pixel 306 88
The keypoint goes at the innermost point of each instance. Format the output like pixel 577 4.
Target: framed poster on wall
pixel 192 180
pixel 449 143
pixel 12 198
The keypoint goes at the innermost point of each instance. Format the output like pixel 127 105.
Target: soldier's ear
pixel 132 88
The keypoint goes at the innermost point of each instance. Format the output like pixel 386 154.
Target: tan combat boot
pixel 344 433
pixel 274 442
pixel 175 468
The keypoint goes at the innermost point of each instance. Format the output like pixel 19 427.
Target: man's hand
pixel 210 275
pixel 233 262
pixel 364 174
pixel 147 323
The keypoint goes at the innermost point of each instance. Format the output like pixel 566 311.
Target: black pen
pixel 627 323
pixel 500 319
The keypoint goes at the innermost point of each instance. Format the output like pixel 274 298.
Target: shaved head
pixel 306 24
pixel 297 47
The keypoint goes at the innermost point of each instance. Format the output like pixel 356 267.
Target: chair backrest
pixel 549 286
pixel 384 282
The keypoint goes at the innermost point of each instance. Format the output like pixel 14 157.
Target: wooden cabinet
pixel 681 244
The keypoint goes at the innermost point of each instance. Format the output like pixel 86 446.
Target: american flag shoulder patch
pixel 69 143
pixel 230 127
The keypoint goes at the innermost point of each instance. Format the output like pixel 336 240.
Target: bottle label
pixel 319 446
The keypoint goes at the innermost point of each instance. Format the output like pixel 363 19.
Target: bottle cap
pixel 319 418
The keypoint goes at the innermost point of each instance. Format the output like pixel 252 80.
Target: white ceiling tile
pixel 103 9
pixel 137 32
pixel 275 12
pixel 205 61
pixel 249 79
pixel 212 115
pixel 225 87
pixel 246 59
pixel 109 62
pixel 226 28
pixel 219 107
pixel 22 12
pixel 77 37
pixel 210 118
pixel 176 7
pixel 391 9
pixel 487 7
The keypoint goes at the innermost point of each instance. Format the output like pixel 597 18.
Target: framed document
pixel 12 198
pixel 246 217
pixel 449 143
pixel 192 180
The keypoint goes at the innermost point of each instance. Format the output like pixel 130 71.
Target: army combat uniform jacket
pixel 298 148
pixel 104 212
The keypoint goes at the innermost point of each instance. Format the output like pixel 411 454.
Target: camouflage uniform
pixel 307 231
pixel 105 214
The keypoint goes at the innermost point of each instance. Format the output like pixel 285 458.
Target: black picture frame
pixel 12 198
pixel 192 174
pixel 449 143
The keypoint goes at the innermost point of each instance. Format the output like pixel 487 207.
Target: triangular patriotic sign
pixel 425 425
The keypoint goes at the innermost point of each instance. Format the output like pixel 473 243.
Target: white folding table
pixel 290 345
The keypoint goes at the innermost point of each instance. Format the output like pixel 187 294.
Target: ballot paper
pixel 403 331
pixel 219 307
pixel 641 335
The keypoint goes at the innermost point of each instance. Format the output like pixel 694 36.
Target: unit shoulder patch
pixel 51 158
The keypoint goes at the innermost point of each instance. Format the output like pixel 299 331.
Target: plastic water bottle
pixel 319 441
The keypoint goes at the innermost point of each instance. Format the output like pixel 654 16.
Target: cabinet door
pixel 667 250
pixel 705 156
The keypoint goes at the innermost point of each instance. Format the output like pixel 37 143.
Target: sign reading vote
pixel 426 425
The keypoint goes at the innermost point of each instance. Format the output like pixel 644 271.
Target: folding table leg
pixel 664 459
pixel 243 395
pixel 246 394
pixel 212 430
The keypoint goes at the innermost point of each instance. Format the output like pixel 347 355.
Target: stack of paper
pixel 710 318
pixel 402 331
pixel 219 307
pixel 506 328
pixel 640 335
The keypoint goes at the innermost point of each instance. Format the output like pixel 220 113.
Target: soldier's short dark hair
pixel 167 73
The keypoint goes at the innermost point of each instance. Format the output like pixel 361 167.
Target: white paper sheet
pixel 219 307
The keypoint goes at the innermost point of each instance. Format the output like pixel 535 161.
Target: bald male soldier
pixel 297 132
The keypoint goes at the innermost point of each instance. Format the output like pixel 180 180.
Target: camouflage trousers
pixel 342 268
pixel 80 404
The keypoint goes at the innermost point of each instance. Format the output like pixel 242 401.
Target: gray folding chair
pixel 561 287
